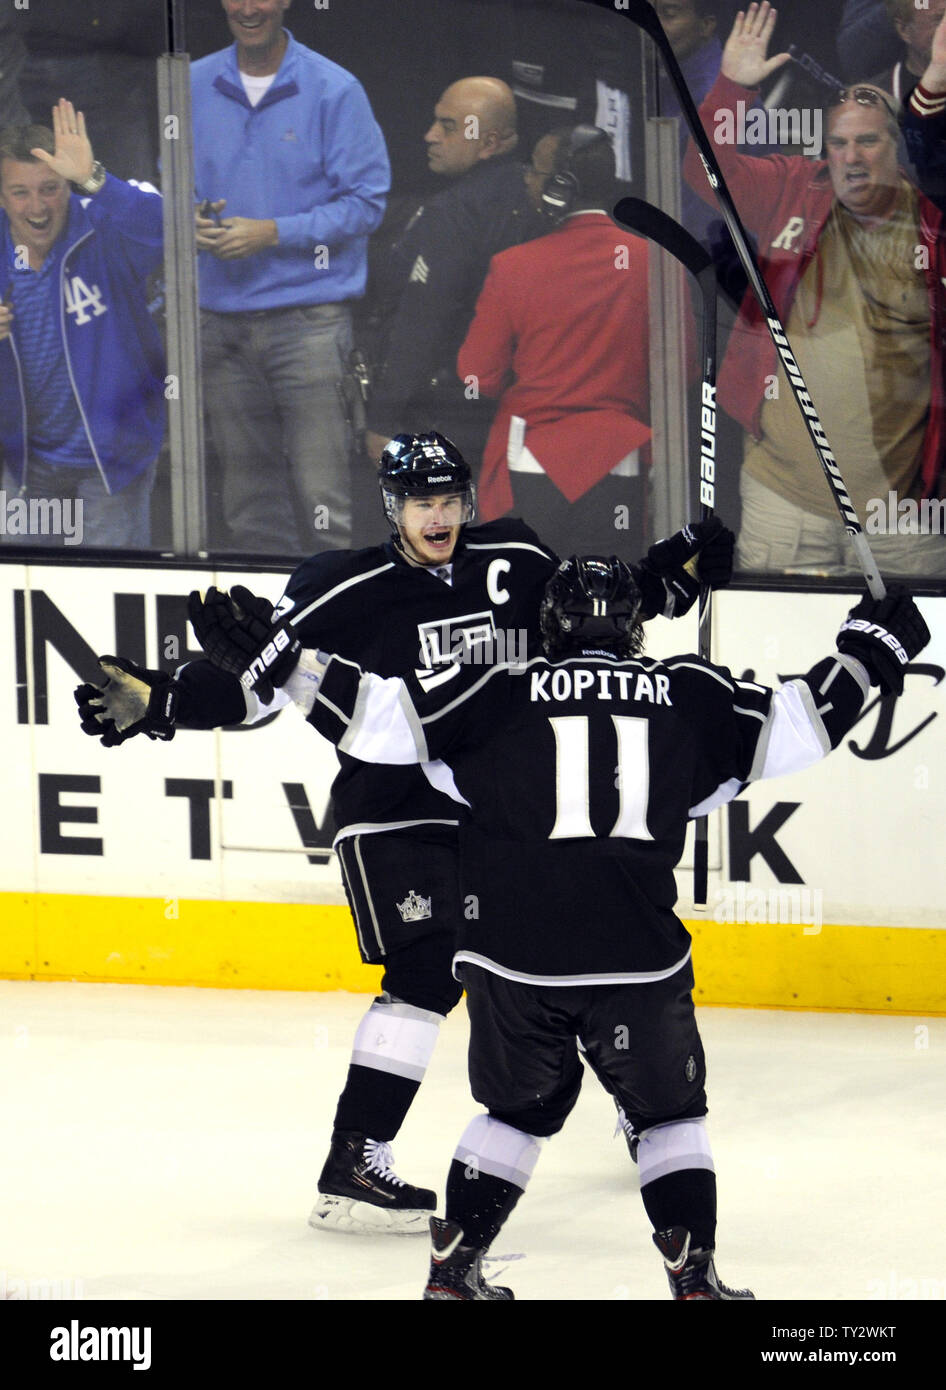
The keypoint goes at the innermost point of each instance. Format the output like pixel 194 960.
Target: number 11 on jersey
pixel 573 778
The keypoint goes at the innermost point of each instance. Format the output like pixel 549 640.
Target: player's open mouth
pixel 437 538
pixel 39 224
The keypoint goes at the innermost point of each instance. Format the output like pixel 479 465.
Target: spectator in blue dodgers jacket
pixel 82 367
pixel 291 159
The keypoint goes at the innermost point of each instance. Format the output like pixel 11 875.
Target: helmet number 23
pixel 573 779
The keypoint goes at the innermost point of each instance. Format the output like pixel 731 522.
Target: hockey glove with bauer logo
pixel 885 635
pixel 238 633
pixel 672 571
pixel 132 701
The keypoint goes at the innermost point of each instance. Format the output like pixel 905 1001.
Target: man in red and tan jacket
pixel 561 335
pixel 855 261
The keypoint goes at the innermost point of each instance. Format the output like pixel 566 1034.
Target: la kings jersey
pixel 371 607
pixel 581 777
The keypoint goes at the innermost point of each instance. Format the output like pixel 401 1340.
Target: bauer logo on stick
pixel 708 446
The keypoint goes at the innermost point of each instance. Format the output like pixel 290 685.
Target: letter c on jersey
pixel 494 592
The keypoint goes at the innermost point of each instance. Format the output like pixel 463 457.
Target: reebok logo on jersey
pixel 880 634
pixel 420 271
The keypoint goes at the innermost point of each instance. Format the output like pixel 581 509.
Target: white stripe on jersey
pixel 257 710
pixel 618 977
pixel 673 662
pixel 379 827
pixel 384 727
pixel 339 589
pixel 501 667
pixel 441 778
pixel 723 793
pixel 794 737
pixel 506 545
pixel 752 713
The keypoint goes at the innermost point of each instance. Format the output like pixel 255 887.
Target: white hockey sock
pixel 396 1038
pixel 672 1147
pixel 489 1146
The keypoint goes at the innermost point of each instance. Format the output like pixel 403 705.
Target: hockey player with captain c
pixel 531 748
pixel 438 583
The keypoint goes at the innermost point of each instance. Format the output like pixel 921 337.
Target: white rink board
pixel 145 833
pixel 867 832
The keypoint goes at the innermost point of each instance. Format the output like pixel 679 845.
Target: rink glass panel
pixel 560 57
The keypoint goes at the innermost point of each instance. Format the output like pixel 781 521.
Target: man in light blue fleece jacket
pixel 294 167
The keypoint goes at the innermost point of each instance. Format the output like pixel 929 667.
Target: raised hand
pixel 744 59
pixel 73 156
pixel 934 78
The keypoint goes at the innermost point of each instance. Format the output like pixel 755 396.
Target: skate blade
pixel 361 1218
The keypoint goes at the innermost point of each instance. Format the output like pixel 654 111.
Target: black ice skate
pixel 360 1192
pixel 455 1268
pixel 692 1273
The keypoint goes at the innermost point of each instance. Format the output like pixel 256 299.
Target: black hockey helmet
pixel 591 602
pixel 423 465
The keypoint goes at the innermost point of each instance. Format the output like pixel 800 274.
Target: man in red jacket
pixel 855 260
pixel 561 335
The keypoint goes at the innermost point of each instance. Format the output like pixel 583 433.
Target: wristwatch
pixel 96 179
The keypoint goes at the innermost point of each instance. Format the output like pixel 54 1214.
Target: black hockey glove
pixel 885 634
pixel 672 571
pixel 237 632
pixel 132 701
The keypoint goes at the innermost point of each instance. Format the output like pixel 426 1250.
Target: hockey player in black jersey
pixel 571 870
pixel 440 587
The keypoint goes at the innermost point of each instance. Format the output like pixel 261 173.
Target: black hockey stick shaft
pixel 658 227
pixel 641 13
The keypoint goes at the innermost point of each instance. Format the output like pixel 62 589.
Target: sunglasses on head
pixel 864 96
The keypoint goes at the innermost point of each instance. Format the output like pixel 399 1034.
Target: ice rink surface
pixel 165 1143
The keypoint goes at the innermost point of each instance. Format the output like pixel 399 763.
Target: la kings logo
pixel 80 299
pixel 414 908
pixel 448 640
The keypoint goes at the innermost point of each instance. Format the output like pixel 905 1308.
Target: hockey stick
pixel 642 217
pixel 641 13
